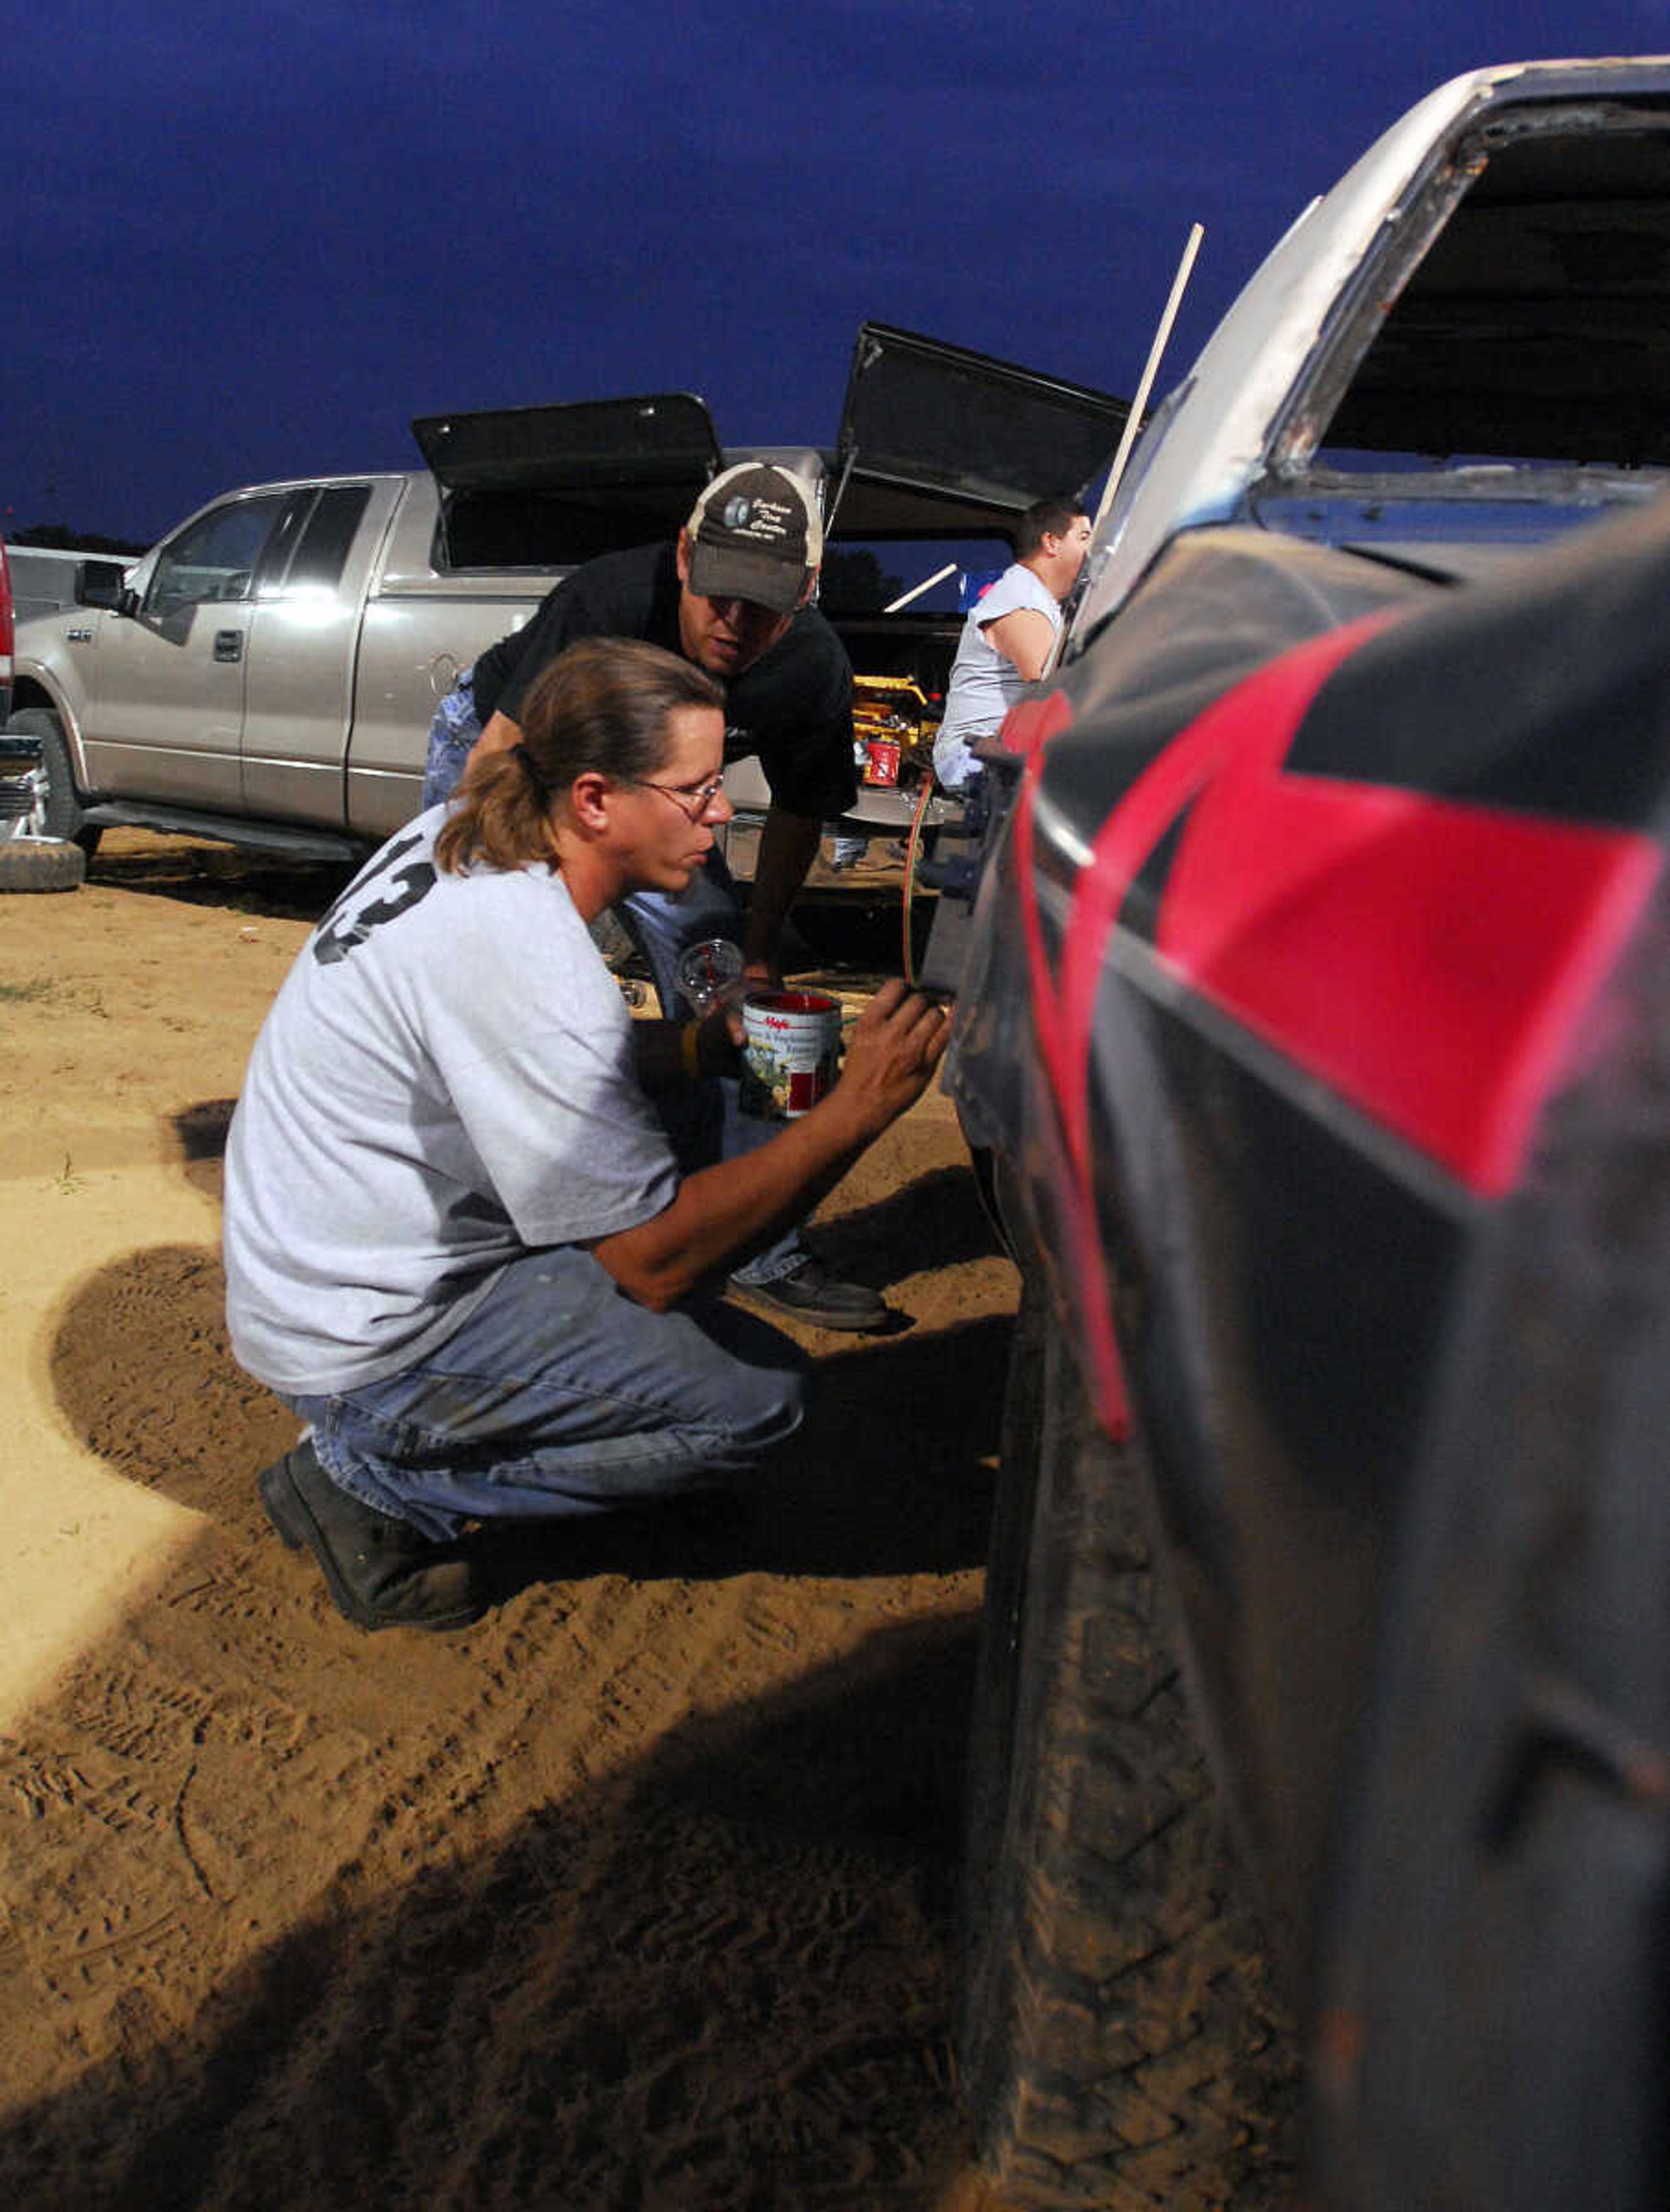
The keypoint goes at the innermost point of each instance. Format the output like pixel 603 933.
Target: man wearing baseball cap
pixel 731 595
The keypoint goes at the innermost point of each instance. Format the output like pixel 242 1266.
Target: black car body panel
pixel 1313 1009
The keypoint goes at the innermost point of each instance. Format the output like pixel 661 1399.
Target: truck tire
pixel 1119 2042
pixel 61 816
pixel 40 864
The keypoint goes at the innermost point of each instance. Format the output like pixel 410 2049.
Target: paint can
pixel 790 1052
pixel 882 760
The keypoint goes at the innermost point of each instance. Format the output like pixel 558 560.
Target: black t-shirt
pixel 793 707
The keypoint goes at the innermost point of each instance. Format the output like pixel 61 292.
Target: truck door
pixel 166 716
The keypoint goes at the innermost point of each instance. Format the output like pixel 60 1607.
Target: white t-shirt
pixel 985 682
pixel 446 1081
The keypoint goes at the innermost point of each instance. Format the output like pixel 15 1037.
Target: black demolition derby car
pixel 1313 1037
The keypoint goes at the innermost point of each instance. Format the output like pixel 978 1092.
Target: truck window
pixel 323 552
pixel 214 557
pixel 281 544
pixel 306 553
pixel 1530 331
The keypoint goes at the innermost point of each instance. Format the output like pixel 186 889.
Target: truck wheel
pixel 61 815
pixel 1119 2042
pixel 40 864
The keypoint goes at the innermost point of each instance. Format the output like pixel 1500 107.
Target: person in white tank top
pixel 1010 632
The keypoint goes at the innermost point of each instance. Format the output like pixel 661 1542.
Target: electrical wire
pixel 912 843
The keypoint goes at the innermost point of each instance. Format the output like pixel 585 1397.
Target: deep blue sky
pixel 254 242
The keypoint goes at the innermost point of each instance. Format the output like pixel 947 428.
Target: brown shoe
pixel 380 1572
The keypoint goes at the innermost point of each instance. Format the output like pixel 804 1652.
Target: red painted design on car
pixel 1426 957
pixel 1028 730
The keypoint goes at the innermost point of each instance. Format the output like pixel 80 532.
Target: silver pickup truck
pixel 267 673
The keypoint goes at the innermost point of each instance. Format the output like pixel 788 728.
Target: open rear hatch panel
pixel 549 487
pixel 935 441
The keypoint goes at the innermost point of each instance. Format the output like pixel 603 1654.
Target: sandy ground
pixel 640 1892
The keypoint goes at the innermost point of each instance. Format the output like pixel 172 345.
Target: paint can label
pixel 790 1052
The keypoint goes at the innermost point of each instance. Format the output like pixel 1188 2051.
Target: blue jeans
pixel 660 924
pixel 452 730
pixel 559 1396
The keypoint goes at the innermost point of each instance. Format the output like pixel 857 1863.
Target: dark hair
pixel 1046 517
pixel 602 704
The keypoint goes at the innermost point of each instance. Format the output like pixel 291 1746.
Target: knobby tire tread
pixel 42 863
pixel 1120 2043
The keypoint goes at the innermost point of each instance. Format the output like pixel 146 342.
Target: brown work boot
pixel 380 1572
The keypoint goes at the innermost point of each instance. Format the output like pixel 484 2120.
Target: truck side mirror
pixel 101 584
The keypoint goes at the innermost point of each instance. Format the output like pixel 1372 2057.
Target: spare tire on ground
pixel 40 864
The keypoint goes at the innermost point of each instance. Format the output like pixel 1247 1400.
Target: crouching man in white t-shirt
pixel 1009 633
pixel 459 1239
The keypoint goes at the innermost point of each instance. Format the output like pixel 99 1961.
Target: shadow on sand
pixel 720 1979
pixel 717 1976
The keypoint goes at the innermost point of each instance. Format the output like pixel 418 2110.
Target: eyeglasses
pixel 692 800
